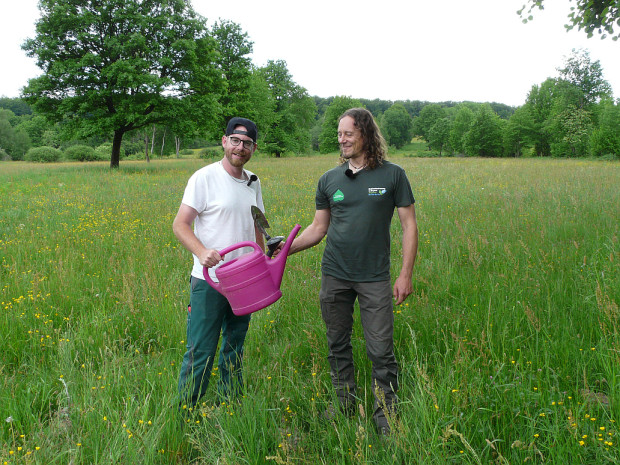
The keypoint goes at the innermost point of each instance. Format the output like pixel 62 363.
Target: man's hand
pixel 210 258
pixel 402 289
pixel 278 249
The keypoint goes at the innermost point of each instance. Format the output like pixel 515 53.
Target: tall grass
pixel 509 347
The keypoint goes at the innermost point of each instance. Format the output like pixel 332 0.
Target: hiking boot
pixel 383 426
pixel 384 430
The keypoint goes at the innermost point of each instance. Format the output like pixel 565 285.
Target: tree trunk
pixel 116 148
pixel 146 147
pixel 163 140
pixel 153 141
pixel 177 143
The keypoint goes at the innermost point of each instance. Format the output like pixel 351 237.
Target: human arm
pixel 182 228
pixel 403 286
pixel 314 233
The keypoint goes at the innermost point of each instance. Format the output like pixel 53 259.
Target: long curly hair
pixel 374 144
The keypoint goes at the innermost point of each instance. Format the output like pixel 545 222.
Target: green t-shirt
pixel 361 208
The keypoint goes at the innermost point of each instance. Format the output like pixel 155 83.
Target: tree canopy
pixel 428 116
pixel 294 111
pixel 484 138
pixel 397 125
pixel 120 65
pixel 587 77
pixel 234 47
pixel 600 16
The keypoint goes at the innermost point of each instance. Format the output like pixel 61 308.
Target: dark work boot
pixel 383 426
pixel 332 411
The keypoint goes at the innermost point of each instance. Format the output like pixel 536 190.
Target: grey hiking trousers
pixel 337 299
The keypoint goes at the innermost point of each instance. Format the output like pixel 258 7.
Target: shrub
pixel 136 156
pixel 132 147
pixel 43 154
pixel 604 142
pixel 104 151
pixel 4 156
pixel 211 153
pixel 81 153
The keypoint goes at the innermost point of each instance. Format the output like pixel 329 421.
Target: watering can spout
pixel 277 264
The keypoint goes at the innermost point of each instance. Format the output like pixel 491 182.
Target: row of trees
pixel 143 75
pixel 573 115
pixel 25 129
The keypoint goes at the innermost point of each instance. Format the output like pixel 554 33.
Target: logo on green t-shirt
pixel 338 196
pixel 376 190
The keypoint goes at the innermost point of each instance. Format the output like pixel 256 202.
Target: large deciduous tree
pixel 540 103
pixel 294 111
pixel 601 16
pixel 262 104
pixel 587 77
pixel 571 128
pixel 439 135
pixel 397 125
pixel 234 48
pixel 428 116
pixel 519 131
pixel 484 139
pixel 114 66
pixel 563 112
pixel 460 126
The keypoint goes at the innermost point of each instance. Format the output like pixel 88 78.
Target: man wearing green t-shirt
pixel 354 207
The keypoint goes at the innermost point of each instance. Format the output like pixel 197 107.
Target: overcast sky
pixel 476 50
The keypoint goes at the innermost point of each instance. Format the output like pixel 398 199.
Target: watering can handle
pixel 205 270
pixel 230 248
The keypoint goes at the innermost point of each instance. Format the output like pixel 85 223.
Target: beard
pixel 237 162
pixel 344 155
pixel 354 151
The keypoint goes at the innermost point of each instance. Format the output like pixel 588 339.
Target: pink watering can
pixel 252 281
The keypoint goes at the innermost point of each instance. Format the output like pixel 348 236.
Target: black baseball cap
pixel 252 131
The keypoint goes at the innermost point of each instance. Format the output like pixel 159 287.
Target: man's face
pixel 238 155
pixel 350 139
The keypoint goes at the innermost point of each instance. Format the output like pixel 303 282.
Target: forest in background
pixel 116 83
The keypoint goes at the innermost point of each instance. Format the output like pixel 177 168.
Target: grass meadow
pixel 509 347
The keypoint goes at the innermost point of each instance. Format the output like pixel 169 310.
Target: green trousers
pixel 208 316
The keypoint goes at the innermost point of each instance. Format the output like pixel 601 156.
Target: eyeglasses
pixel 247 144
